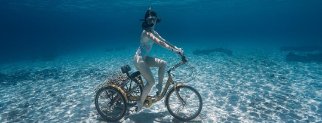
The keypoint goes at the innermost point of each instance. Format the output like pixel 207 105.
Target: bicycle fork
pixel 178 95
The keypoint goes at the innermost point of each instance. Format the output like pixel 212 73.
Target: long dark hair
pixel 145 24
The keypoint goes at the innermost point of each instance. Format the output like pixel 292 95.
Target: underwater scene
pixel 247 60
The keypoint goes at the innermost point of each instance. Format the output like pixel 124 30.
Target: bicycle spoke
pixel 107 95
pixel 179 109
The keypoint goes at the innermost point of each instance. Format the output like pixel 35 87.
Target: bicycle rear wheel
pixel 110 104
pixel 184 103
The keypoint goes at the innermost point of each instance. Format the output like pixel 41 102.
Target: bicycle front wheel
pixel 184 102
pixel 110 104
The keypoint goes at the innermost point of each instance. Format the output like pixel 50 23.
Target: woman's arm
pixel 159 40
pixel 159 36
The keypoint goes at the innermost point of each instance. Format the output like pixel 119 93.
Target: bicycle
pixel 117 97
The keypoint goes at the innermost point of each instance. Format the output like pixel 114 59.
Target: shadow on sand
pixel 150 117
pixel 309 57
pixel 301 49
pixel 303 54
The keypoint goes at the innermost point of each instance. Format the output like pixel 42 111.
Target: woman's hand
pixel 180 51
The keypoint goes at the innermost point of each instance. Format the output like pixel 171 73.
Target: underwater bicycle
pixel 114 100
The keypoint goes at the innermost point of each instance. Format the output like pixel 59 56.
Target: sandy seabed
pixel 253 85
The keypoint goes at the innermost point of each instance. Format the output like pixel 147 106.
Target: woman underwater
pixel 142 59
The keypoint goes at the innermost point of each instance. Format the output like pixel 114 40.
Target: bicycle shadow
pixel 150 117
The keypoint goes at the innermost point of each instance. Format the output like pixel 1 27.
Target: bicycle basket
pixel 116 79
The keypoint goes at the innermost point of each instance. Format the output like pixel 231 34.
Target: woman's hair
pixel 149 13
pixel 145 24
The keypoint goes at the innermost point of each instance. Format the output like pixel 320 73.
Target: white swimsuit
pixel 147 41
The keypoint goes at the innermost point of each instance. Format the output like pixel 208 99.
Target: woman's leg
pixel 141 65
pixel 155 62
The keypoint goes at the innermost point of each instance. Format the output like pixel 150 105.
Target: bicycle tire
pixel 181 91
pixel 119 99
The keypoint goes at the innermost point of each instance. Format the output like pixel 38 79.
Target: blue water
pixel 53 55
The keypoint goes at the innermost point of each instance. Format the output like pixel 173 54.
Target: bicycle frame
pixel 169 82
pixel 164 91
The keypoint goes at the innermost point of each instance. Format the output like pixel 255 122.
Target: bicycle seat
pixel 126 69
pixel 135 74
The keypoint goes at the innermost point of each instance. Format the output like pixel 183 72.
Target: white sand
pixel 253 85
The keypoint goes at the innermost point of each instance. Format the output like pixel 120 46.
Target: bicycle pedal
pixel 132 110
pixel 135 108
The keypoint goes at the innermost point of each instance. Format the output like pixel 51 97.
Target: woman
pixel 143 61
